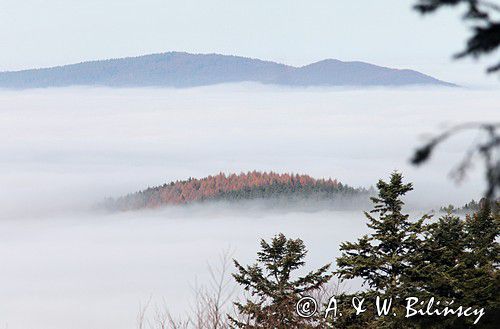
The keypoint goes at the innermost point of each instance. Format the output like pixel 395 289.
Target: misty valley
pixel 262 160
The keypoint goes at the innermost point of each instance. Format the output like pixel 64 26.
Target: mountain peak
pixel 182 69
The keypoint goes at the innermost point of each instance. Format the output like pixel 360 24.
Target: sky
pixel 42 33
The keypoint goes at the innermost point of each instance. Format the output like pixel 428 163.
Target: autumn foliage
pixel 233 187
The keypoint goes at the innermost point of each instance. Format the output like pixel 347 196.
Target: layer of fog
pixel 63 150
pixel 93 271
pixel 67 148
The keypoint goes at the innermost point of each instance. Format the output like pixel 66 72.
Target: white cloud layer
pixel 63 150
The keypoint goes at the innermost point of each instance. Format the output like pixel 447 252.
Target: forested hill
pixel 178 69
pixel 245 186
pixel 472 207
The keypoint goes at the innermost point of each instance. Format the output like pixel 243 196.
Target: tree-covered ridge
pixel 184 70
pixel 471 207
pixel 235 187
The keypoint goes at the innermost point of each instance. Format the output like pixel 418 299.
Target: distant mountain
pixel 290 188
pixel 177 69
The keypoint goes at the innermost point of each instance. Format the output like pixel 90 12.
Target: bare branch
pixel 489 151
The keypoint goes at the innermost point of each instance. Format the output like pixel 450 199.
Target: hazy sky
pixel 37 33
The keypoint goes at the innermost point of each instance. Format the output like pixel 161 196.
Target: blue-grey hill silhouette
pixel 178 69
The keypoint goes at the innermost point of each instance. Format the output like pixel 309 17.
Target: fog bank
pixel 64 150
pixel 68 148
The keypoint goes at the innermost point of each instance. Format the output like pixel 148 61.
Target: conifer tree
pixel 383 257
pixel 273 289
pixel 439 264
pixel 437 269
pixel 458 261
pixel 482 231
pixel 481 281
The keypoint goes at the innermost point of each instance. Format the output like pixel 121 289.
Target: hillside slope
pixel 233 188
pixel 176 69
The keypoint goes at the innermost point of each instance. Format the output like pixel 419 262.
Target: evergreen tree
pixel 482 278
pixel 482 230
pixel 439 264
pixel 458 261
pixel 437 269
pixel 274 292
pixel 383 258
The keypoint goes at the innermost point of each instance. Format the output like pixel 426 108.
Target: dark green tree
pixel 439 264
pixel 483 229
pixel 437 269
pixel 274 290
pixel 481 281
pixel 459 261
pixel 383 257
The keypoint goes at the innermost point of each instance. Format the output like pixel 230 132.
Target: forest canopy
pixel 252 185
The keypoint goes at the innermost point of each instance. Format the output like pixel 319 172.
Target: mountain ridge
pixel 182 69
pixel 252 185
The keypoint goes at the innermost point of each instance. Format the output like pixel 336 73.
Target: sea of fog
pixel 66 265
pixel 95 271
